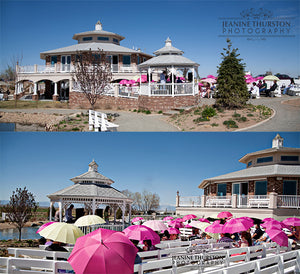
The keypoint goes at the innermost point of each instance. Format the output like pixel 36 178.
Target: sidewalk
pixel 286 118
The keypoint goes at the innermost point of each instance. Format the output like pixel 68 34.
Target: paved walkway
pixel 287 116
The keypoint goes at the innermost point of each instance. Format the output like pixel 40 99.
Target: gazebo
pixel 91 189
pixel 170 59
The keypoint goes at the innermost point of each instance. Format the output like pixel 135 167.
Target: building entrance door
pixel 115 63
pixel 241 189
pixel 65 62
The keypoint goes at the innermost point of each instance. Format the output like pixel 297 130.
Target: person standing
pixel 69 217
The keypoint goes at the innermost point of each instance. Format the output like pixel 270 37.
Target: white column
pixel 60 210
pixel 123 210
pixel 50 212
pixel 172 76
pixel 129 217
pixel 94 207
pixel 35 88
pixel 193 71
pixel 55 89
pixel 149 87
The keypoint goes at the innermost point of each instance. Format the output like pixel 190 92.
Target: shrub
pixel 230 124
pixel 214 125
pixel 201 119
pixel 236 115
pixel 209 112
pixel 147 112
pixel 181 110
pixel 242 119
pixel 160 112
pixel 75 129
pixel 197 111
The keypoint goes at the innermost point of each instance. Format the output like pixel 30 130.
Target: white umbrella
pixel 209 80
pixel 271 78
pixel 156 225
pixel 89 220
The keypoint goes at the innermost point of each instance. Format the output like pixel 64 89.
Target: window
pixel 249 164
pixel 138 60
pixel 53 60
pixel 126 60
pixel 96 58
pixel 261 187
pixel 236 189
pixel 265 160
pixel 115 40
pixel 87 38
pixel 290 158
pixel 103 38
pixel 289 187
pixel 221 190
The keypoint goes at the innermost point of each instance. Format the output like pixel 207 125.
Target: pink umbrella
pixel 268 219
pixel 123 82
pixel 131 82
pixel 224 214
pixel 155 225
pixel 175 224
pixel 173 230
pixel 43 226
pixel 291 221
pixel 211 76
pixel 215 227
pixel 103 251
pixel 209 80
pixel 168 218
pixel 188 217
pixel 278 236
pixel 136 219
pixel 204 220
pixel 274 224
pixel 179 220
pixel 142 79
pixel 188 226
pixel 237 225
pixel 141 232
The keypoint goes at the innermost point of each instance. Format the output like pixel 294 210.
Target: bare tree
pixel 20 208
pixel 145 201
pixel 92 74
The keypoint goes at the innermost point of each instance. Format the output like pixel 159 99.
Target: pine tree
pixel 232 89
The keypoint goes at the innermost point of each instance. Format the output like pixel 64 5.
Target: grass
pixel 13 104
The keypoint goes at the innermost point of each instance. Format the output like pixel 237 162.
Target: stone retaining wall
pixel 153 103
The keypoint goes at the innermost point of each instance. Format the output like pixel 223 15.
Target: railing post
pixel 234 201
pixel 273 200
pixel 35 68
pixel 203 200
pixel 177 199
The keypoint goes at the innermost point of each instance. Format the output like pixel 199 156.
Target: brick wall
pixel 153 103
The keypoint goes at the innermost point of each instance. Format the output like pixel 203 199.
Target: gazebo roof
pixel 168 56
pixel 257 172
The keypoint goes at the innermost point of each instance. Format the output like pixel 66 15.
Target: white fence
pixel 191 201
pixel 98 121
pixel 289 201
pixel 218 201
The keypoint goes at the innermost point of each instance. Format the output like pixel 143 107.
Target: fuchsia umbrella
pixel 274 224
pixel 168 218
pixel 136 219
pixel 103 251
pixel 141 232
pixel 155 225
pixel 188 226
pixel 237 225
pixel 173 230
pixel 123 82
pixel 224 214
pixel 43 226
pixel 291 221
pixel 215 227
pixel 204 220
pixel 188 217
pixel 278 236
pixel 175 224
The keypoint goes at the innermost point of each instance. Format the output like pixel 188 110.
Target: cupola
pixel 277 142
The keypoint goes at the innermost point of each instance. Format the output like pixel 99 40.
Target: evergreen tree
pixel 232 89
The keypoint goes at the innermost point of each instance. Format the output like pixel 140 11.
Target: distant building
pixel 269 186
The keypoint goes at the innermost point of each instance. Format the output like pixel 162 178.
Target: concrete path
pixel 286 118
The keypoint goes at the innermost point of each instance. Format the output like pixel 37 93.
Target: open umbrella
pixel 89 220
pixel 61 232
pixel 271 78
pixel 43 226
pixel 141 232
pixel 103 251
pixel 209 80
pixel 215 227
pixel 136 219
pixel 237 225
pixel 176 224
pixel 202 226
pixel 204 220
pixel 278 236
pixel 168 218
pixel 224 214
pixel 156 225
pixel 274 224
pixel 173 230
pixel 188 217
pixel 293 221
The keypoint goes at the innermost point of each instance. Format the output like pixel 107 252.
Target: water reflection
pixel 13 233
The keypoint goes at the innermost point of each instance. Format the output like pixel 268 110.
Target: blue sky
pixel 159 162
pixel 194 26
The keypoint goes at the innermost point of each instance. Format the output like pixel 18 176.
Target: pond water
pixel 13 233
pixel 7 126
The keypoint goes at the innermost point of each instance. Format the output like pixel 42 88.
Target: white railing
pixel 88 229
pixel 258 201
pixel 26 69
pixel 130 91
pixel 98 121
pixel 289 201
pixel 191 201
pixel 218 201
pixel 58 68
